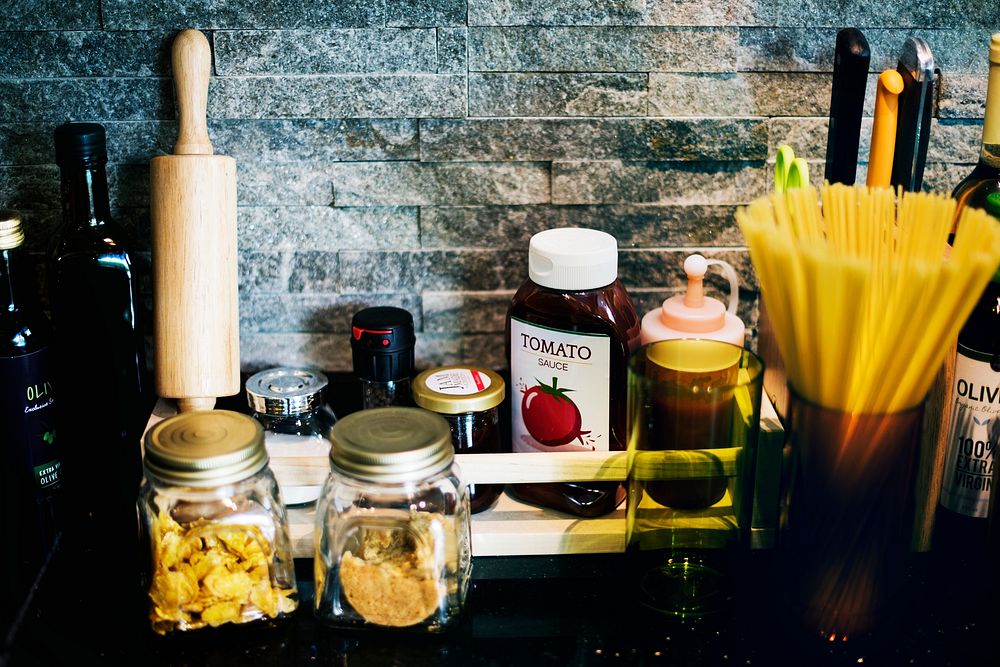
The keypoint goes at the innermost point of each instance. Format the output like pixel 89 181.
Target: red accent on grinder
pixel 357 331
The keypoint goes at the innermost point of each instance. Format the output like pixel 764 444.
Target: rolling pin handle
pixel 197 403
pixel 191 59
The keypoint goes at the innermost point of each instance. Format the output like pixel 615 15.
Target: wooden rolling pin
pixel 193 217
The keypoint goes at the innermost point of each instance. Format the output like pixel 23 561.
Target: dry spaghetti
pixel 864 291
pixel 865 297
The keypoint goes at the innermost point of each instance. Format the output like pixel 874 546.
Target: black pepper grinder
pixel 382 341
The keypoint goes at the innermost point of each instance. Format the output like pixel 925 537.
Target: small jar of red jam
pixel 570 330
pixel 468 398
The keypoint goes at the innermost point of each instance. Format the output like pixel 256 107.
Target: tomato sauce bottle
pixel 570 330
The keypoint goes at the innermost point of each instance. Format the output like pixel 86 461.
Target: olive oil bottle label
pixel 27 411
pixel 561 396
pixel 973 430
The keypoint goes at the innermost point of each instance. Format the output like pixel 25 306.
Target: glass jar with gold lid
pixel 217 532
pixel 468 398
pixel 392 539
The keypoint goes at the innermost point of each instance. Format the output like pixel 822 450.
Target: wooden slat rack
pixel 512 528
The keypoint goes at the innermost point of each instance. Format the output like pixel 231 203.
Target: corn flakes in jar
pixel 219 547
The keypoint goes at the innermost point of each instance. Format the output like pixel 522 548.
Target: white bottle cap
pixel 573 259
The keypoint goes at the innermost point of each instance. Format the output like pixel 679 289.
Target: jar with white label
pixel 570 330
pixel 468 398
pixel 290 406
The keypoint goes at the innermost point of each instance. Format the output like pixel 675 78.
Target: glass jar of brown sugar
pixel 468 398
pixel 392 538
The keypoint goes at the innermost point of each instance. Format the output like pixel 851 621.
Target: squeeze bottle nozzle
pixel 694 315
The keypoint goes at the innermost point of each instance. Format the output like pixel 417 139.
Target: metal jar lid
pixel 393 444
pixel 452 390
pixel 11 232
pixel 285 391
pixel 205 448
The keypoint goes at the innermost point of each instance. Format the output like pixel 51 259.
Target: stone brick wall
pixel 403 153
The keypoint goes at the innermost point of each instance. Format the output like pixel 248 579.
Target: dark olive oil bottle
pixel 30 470
pixel 961 522
pixel 98 345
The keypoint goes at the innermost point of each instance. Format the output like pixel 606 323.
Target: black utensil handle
pixel 847 101
pixel 913 124
pixel 913 129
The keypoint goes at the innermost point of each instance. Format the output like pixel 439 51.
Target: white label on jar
pixel 458 382
pixel 562 380
pixel 972 435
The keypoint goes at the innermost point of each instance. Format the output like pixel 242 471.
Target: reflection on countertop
pixel 565 610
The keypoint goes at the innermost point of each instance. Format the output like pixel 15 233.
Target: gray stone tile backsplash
pixel 389 50
pixel 556 94
pixel 208 14
pixel 602 49
pixel 403 153
pixel 51 15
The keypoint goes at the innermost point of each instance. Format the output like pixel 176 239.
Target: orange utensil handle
pixel 890 85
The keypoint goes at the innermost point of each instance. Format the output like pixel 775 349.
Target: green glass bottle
pixel 984 179
pixel 962 519
pixel 98 345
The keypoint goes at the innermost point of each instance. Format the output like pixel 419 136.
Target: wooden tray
pixel 512 528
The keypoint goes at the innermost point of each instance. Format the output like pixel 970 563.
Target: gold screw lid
pixel 205 448
pixel 11 232
pixel 452 390
pixel 394 444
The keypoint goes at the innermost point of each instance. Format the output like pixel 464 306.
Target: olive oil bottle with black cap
pixel 98 345
pixel 30 471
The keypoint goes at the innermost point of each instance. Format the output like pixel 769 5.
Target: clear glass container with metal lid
pixel 219 547
pixel 290 405
pixel 392 537
pixel 468 398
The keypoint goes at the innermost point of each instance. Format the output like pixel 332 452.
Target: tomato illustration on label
pixel 550 416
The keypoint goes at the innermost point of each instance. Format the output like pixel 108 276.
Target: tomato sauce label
pixel 561 398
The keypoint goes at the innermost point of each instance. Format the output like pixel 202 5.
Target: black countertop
pixel 565 610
